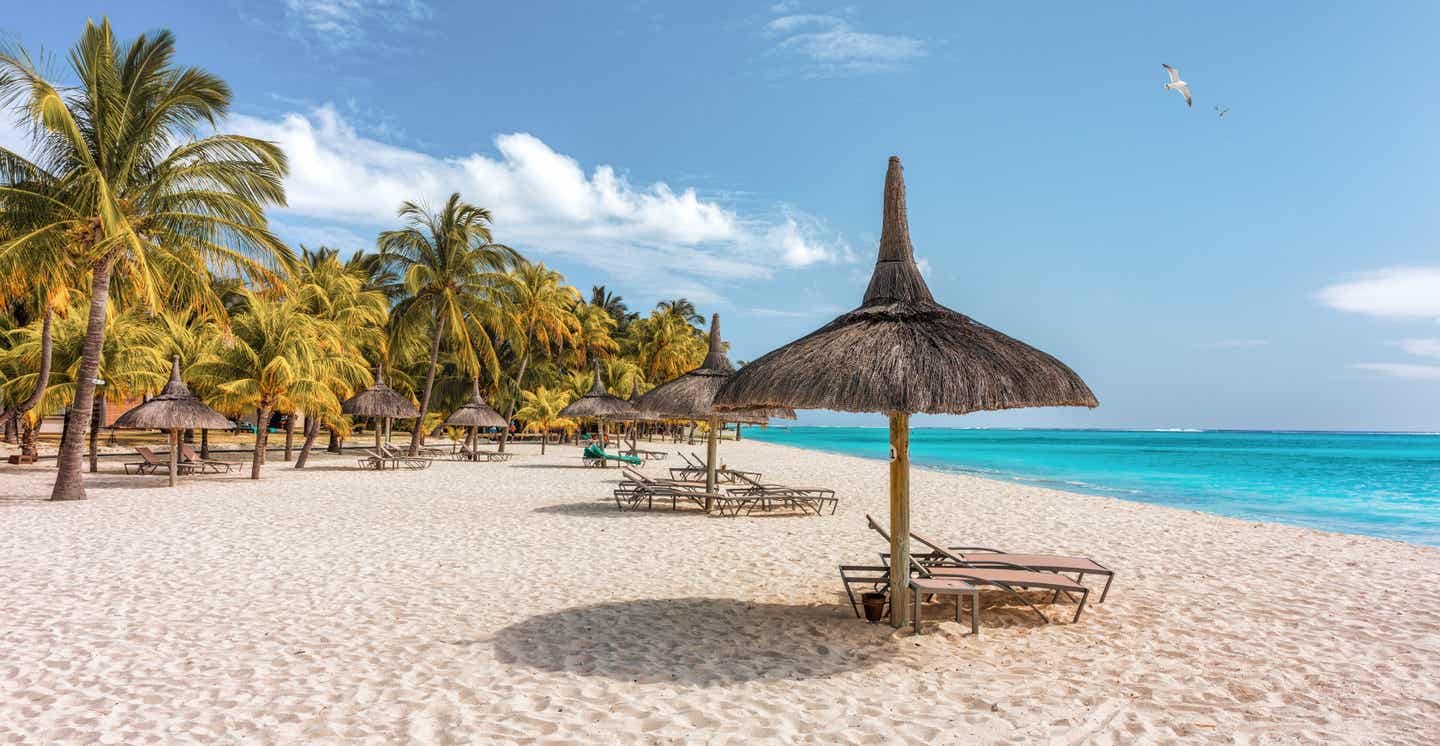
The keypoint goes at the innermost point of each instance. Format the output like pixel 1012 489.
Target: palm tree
pixel 666 345
pixel 276 356
pixel 450 270
pixel 136 192
pixel 612 304
pixel 682 309
pixel 542 412
pixel 538 305
pixel 594 334
pixel 341 296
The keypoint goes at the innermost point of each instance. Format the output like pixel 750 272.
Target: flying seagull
pixel 1222 112
pixel 1177 84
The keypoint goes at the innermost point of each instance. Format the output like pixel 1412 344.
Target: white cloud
pixel 342 23
pixel 544 202
pixel 923 265
pixel 828 46
pixel 1234 344
pixel 779 313
pixel 1411 371
pixel 1398 292
pixel 1420 347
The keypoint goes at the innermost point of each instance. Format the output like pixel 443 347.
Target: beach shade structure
pixel 901 353
pixel 174 410
pixel 382 402
pixel 475 414
pixel 692 397
pixel 599 404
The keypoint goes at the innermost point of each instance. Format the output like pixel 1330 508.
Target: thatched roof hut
pixel 692 395
pixel 173 410
pixel 899 353
pixel 599 403
pixel 379 401
pixel 475 413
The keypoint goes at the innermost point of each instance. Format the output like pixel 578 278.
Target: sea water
pixel 1380 484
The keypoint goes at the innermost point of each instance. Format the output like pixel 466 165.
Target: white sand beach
pixel 497 603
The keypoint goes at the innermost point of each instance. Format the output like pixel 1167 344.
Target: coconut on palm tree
pixel 138 193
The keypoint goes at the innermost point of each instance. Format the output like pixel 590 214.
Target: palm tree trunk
pixel 69 484
pixel 312 431
pixel 510 415
pixel 334 445
pixel 204 444
pixel 12 431
pixel 43 380
pixel 289 435
pixel 262 433
pixel 544 436
pixel 419 433
pixel 97 418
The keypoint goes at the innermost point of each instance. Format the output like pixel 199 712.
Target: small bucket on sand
pixel 874 604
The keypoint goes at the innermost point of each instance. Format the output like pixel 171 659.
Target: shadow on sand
pixel 694 641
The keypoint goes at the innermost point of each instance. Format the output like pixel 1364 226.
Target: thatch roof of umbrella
pixel 175 408
pixel 692 395
pixel 900 351
pixel 475 413
pixel 599 403
pixel 379 401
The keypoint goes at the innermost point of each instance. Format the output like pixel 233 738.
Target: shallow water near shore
pixel 1378 484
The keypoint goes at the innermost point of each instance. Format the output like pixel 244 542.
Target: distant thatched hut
pixel 379 401
pixel 173 410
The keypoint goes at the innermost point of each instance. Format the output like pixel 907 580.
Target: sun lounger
pixel 1009 577
pixel 647 455
pixel 463 453
pixel 639 489
pixel 203 465
pixel 1080 566
pixel 805 498
pixel 695 469
pixel 150 463
pixel 387 460
pixel 595 455
pixel 405 460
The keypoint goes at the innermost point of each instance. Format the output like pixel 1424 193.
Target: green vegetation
pixel 132 233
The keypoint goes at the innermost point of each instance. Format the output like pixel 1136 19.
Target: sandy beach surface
pixel 497 603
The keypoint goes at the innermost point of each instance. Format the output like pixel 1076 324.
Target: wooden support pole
pixel 174 455
pixel 899 518
pixel 712 454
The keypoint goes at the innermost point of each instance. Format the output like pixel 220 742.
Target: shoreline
pixel 1250 507
pixel 513 602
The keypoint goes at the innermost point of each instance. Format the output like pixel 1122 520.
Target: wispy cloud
pixel 827 45
pixel 1419 347
pixel 804 313
pixel 1397 292
pixel 545 203
pixel 1409 371
pixel 1233 344
pixel 339 24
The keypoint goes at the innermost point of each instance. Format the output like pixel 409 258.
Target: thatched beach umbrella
pixel 379 401
pixel 475 414
pixel 692 397
pixel 175 409
pixel 600 404
pixel 899 353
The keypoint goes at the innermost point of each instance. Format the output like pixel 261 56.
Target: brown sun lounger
pixel 638 488
pixel 696 469
pixel 1080 566
pixel 203 465
pixel 805 498
pixel 150 463
pixel 1007 576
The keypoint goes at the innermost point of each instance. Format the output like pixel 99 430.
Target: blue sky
pixel 1278 267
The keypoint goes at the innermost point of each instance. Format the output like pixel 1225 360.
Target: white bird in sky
pixel 1177 84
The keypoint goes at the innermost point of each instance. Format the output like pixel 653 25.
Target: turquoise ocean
pixel 1379 484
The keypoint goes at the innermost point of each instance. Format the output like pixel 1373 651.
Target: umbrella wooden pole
pixel 899 518
pixel 379 425
pixel 174 455
pixel 712 448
